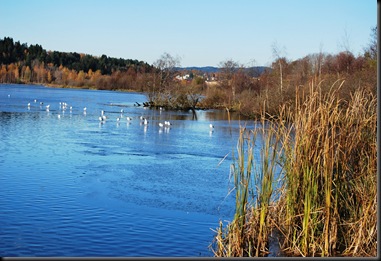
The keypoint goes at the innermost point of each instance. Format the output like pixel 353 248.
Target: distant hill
pixel 206 69
pixel 255 71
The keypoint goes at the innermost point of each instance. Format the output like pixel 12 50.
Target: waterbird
pixel 59 116
pixel 161 124
pixel 167 123
pixel 117 119
pixel 145 122
pixel 128 118
pixel 211 126
pixel 47 107
pixel 35 100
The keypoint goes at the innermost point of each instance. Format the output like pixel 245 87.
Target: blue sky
pixel 200 32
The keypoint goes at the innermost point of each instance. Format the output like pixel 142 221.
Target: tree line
pixel 276 87
pixel 235 90
pixel 23 63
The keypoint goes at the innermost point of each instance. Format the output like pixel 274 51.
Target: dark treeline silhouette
pixel 15 52
pixel 33 64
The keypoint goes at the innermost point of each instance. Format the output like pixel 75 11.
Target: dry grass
pixel 327 204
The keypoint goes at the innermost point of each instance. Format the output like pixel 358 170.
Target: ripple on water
pixel 74 187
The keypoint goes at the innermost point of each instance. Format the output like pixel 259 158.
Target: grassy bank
pixel 325 203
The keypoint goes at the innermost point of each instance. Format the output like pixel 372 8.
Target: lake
pixel 72 185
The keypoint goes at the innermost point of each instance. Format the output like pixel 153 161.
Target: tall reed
pixel 329 163
pixel 247 234
pixel 326 150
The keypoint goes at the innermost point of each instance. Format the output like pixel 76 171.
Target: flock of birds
pixel 102 118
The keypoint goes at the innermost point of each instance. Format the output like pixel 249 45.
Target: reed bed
pixel 255 183
pixel 315 182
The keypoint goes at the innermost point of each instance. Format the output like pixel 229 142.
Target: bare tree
pixel 166 66
pixel 345 42
pixel 371 50
pixel 277 53
pixel 227 70
pixel 316 61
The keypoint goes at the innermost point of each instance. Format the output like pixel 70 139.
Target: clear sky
pixel 199 32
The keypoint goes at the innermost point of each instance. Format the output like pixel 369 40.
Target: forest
pixel 234 87
pixel 21 63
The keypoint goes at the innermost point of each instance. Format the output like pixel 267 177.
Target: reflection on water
pixel 73 185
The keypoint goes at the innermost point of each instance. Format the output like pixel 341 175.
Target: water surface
pixel 74 186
